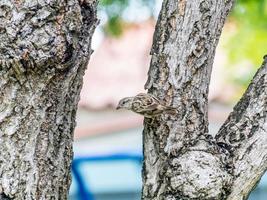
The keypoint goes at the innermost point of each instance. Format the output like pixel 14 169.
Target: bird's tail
pixel 170 111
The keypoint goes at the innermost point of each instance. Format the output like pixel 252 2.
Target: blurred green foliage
pixel 247 42
pixel 115 11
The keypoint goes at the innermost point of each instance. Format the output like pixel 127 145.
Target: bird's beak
pixel 118 107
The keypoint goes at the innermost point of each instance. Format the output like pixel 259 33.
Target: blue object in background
pixel 107 177
pixel 260 192
pixel 118 177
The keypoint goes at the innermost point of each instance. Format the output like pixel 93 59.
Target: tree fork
pixel 181 159
pixel 44 51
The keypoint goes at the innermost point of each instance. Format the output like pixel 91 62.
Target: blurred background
pixel 108 143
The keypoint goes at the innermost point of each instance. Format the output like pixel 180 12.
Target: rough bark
pixel 44 50
pixel 182 160
pixel 244 137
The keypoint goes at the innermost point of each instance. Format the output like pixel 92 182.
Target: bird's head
pixel 125 103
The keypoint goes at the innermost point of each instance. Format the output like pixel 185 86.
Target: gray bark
pixel 181 159
pixel 244 137
pixel 44 50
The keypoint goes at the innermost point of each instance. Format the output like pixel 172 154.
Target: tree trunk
pixel 181 159
pixel 44 51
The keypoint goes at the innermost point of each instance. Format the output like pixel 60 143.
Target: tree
pixel 181 159
pixel 44 50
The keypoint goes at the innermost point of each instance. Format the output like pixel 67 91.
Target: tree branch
pixel 244 136
pixel 44 50
pixel 181 162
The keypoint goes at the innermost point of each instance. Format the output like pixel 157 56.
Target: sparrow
pixel 147 105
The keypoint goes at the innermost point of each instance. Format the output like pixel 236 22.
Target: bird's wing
pixel 144 99
pixel 151 109
pixel 142 94
pixel 147 104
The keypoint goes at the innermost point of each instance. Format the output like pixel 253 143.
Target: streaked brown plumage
pixel 146 105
